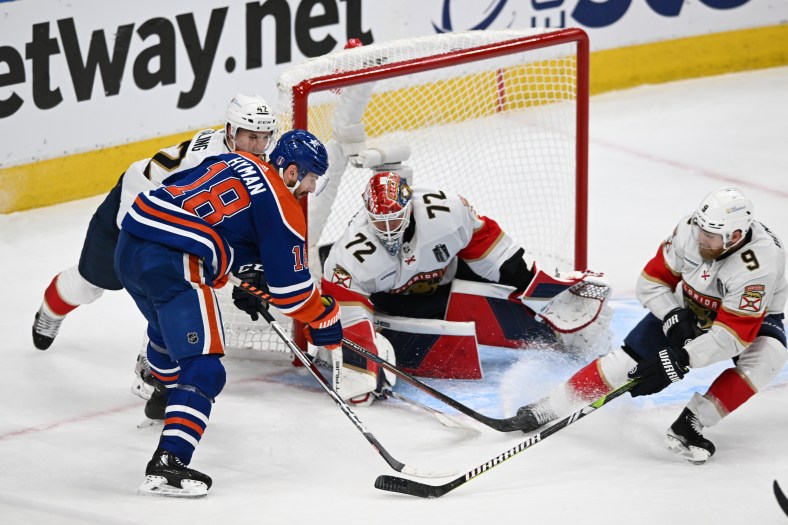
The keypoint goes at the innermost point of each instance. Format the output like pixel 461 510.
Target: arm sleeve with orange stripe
pixel 281 232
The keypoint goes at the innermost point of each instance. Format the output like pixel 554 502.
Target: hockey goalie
pixel 424 256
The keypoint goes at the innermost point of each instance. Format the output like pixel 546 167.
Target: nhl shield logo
pixel 193 338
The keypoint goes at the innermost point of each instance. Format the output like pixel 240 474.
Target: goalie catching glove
pixel 253 275
pixel 326 330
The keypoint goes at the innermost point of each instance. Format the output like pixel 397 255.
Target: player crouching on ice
pixel 716 290
pixel 178 243
pixel 404 253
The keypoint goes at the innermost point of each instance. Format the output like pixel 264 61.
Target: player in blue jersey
pixel 249 126
pixel 178 243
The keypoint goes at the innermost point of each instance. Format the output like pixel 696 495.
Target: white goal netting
pixel 499 117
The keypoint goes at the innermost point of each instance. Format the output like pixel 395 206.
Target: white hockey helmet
pixel 387 200
pixel 724 211
pixel 250 112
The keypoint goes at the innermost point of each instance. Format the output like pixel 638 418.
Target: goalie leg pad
pixel 356 378
pixel 433 348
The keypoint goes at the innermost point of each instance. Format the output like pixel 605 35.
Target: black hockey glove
pixel 680 327
pixel 659 371
pixel 251 274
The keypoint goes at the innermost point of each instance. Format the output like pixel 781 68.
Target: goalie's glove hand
pixel 251 274
pixel 680 327
pixel 326 330
pixel 659 371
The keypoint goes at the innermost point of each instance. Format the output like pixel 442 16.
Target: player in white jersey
pixel 249 126
pixel 399 255
pixel 716 290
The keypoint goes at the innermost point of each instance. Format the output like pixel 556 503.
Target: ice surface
pixel 280 451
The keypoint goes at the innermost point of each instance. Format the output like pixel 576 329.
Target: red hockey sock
pixel 55 302
pixel 730 390
pixel 588 383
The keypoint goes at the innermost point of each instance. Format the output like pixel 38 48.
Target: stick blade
pixel 781 499
pixel 409 487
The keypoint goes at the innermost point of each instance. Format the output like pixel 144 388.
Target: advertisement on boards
pixel 84 75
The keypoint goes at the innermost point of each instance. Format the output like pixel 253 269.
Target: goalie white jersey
pixel 443 227
pixel 148 174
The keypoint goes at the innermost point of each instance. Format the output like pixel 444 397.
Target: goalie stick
pixel 781 499
pixel 310 366
pixel 422 490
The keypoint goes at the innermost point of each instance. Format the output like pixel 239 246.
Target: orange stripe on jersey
pixel 185 422
pixel 169 217
pixel 291 300
pixel 177 191
pixel 483 240
pixel 657 270
pixel 744 327
pixel 310 310
pixel 292 214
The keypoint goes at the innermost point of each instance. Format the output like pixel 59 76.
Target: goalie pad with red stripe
pixel 431 347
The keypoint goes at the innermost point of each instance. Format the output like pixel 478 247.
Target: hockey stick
pixel 502 425
pixel 310 366
pixel 444 419
pixel 422 490
pixel 781 499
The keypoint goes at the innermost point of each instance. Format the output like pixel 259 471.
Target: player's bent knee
pixel 205 373
pixel 762 360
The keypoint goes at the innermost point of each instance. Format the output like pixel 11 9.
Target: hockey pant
pixel 184 328
pixel 86 282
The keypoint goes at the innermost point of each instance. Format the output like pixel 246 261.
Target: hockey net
pixel 500 117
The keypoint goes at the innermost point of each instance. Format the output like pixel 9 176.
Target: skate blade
pixel 147 422
pixel 157 486
pixel 695 455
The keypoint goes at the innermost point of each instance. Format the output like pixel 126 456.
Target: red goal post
pixel 500 117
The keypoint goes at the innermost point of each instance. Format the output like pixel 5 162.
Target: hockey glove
pixel 659 371
pixel 326 330
pixel 251 274
pixel 680 328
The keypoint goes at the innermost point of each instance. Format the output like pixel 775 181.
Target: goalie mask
pixel 387 199
pixel 721 213
pixel 251 113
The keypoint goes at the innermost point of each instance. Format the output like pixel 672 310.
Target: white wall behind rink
pixel 184 60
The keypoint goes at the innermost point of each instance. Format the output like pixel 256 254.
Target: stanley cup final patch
pixel 752 298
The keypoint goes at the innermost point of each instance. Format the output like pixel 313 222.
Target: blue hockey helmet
pixel 303 149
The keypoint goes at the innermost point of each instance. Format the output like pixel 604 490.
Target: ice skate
pixel 685 438
pixel 45 328
pixel 166 475
pixel 143 385
pixel 155 407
